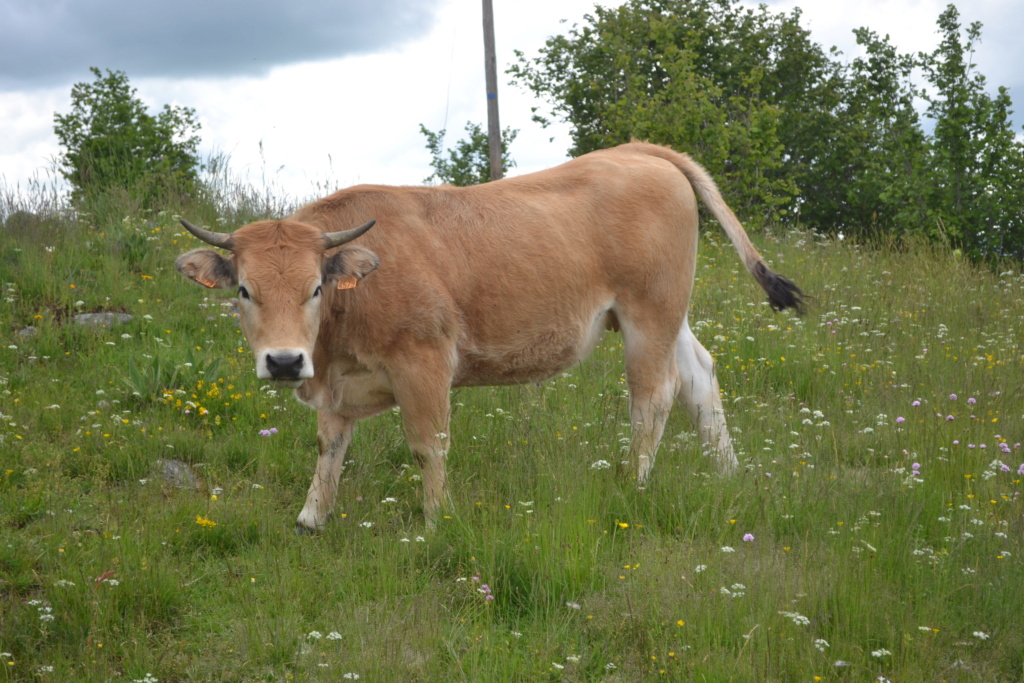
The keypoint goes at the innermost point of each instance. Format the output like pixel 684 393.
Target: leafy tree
pixel 977 187
pixel 111 142
pixel 707 76
pixel 880 154
pixel 468 163
pixel 793 133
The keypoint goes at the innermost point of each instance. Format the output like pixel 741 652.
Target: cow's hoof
pixel 303 530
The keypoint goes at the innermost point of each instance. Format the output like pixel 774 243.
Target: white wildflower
pixel 798 619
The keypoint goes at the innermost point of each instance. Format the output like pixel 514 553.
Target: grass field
pixel 873 532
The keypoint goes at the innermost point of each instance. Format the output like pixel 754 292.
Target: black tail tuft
pixel 782 292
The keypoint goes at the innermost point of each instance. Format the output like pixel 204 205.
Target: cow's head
pixel 281 269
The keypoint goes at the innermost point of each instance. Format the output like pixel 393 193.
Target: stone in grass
pixel 101 319
pixel 178 474
pixel 28 332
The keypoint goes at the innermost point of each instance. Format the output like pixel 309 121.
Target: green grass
pixel 857 568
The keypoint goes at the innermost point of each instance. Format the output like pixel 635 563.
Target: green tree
pixel 977 187
pixel 112 143
pixel 733 87
pixel 468 163
pixel 880 156
pixel 793 133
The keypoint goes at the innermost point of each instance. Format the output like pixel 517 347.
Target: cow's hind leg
pixel 699 392
pixel 653 383
pixel 334 434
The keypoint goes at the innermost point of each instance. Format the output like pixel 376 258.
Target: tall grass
pixel 858 564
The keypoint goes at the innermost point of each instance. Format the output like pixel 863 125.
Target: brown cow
pixel 503 283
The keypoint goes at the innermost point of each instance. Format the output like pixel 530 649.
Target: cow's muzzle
pixel 284 365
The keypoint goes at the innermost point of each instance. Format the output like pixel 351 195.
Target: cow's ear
pixel 347 268
pixel 208 268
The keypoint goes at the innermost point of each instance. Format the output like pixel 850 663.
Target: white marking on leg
pixel 700 394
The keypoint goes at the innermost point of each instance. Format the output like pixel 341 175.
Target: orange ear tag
pixel 349 282
pixel 206 283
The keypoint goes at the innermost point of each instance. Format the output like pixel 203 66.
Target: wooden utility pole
pixel 491 69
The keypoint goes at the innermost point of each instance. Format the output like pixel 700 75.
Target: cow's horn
pixel 336 239
pixel 217 239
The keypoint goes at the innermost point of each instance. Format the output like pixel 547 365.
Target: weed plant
pixel 873 532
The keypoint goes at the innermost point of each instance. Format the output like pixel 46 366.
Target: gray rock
pixel 101 319
pixel 178 474
pixel 28 332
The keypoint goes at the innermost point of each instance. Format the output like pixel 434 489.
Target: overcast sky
pixel 335 90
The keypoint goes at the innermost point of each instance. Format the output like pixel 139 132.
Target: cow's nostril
pixel 285 365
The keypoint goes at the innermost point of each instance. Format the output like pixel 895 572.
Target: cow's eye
pixel 319 290
pixel 243 292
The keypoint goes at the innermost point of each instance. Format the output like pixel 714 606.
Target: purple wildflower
pixel 916 403
pixel 748 538
pixel 900 420
pixel 971 401
pixel 952 397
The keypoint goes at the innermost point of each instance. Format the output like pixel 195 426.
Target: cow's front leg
pixel 334 434
pixel 422 391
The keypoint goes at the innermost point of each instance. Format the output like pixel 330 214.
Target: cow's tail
pixel 782 293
